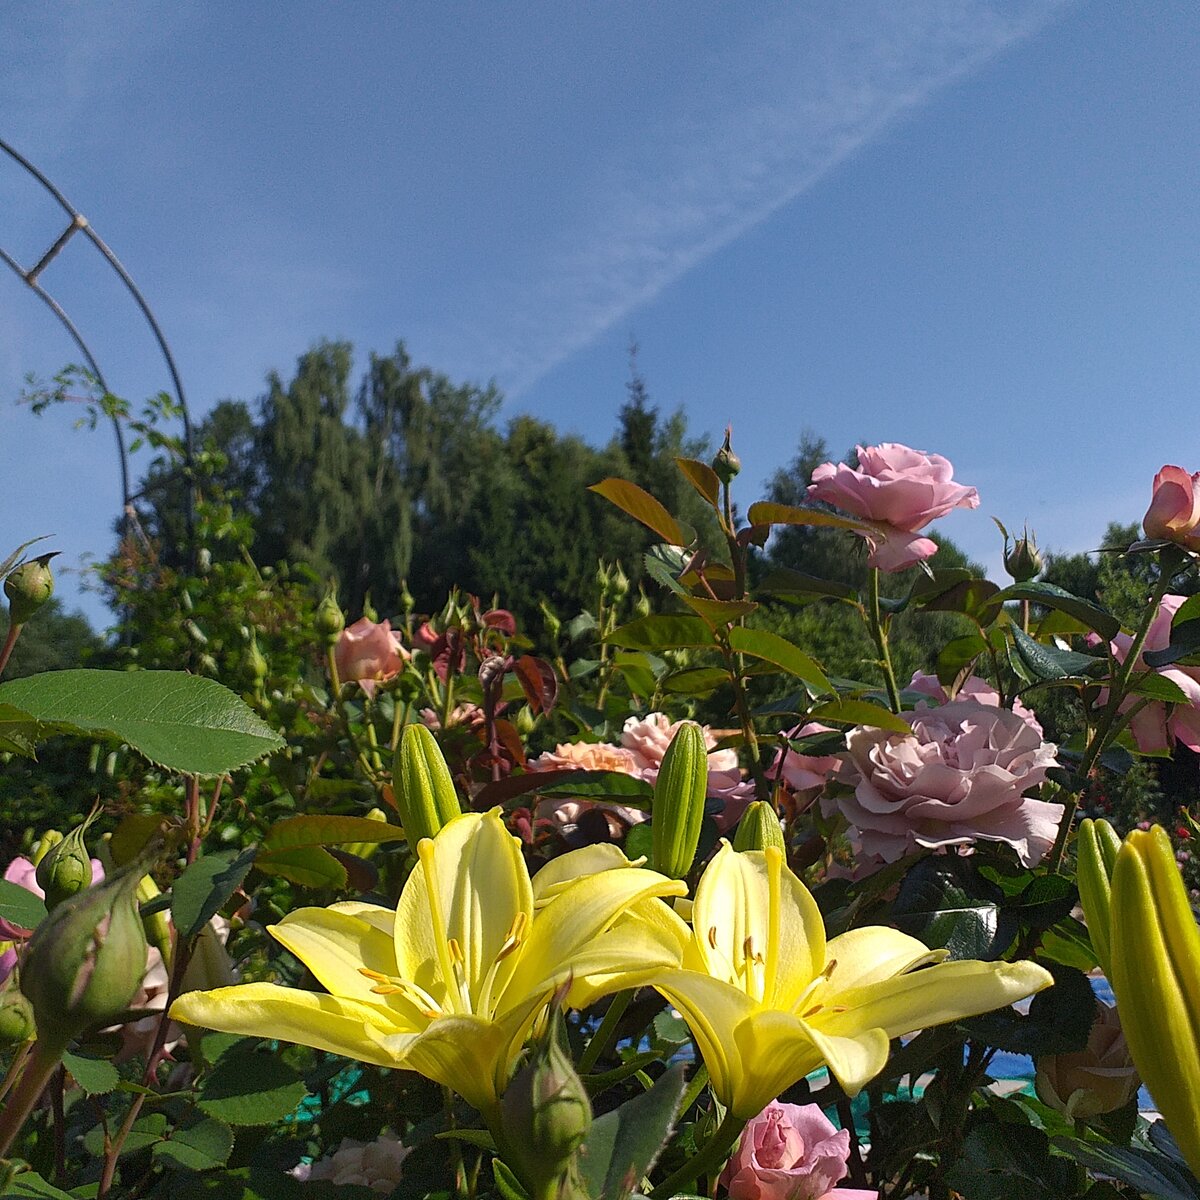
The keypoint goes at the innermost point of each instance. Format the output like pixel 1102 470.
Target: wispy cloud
pixel 771 118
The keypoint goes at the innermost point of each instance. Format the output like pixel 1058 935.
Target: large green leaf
pixel 1146 1171
pixel 204 886
pixel 767 513
pixel 181 722
pixel 662 632
pixel 762 643
pixel 1050 596
pixel 1043 663
pixel 200 1147
pixel 321 829
pixel 642 506
pixel 860 712
pixel 20 907
pixel 311 866
pixel 786 582
pixel 251 1088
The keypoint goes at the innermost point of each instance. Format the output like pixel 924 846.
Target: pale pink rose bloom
pixel 959 777
pixel 1100 1078
pixel 790 1152
pixel 973 688
pixel 900 489
pixel 375 1165
pixel 807 772
pixel 1151 727
pixel 369 653
pixel 1174 512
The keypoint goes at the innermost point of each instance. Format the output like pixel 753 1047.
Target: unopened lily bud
pixel 1023 562
pixel 366 849
pixel 28 587
pixel 423 788
pixel 678 806
pixel 330 620
pixel 86 959
pixel 725 463
pixel 759 828
pixel 1097 846
pixel 545 1115
pixel 16 1017
pixel 66 868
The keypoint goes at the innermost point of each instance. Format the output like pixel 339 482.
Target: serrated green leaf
pixel 147 1129
pixel 786 582
pixel 663 564
pixel 1157 687
pixel 204 886
pixel 97 1076
pixel 200 1147
pixel 764 512
pixel 770 647
pixel 662 632
pixel 860 712
pixel 720 612
pixel 31 1184
pixel 1046 663
pixel 1050 596
pixel 251 1088
pixel 19 907
pixel 181 722
pixel 1147 1172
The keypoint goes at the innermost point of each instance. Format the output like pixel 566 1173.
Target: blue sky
pixel 969 225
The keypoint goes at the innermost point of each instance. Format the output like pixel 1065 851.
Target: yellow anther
pixel 516 935
pixel 712 936
pixel 456 952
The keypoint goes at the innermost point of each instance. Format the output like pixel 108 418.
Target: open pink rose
pixel 1174 512
pixel 369 653
pixel 1152 728
pixel 901 490
pixel 959 777
pixel 1100 1078
pixel 973 688
pixel 790 1152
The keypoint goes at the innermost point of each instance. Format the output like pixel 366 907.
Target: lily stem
pixel 710 1159
pixel 879 634
pixel 604 1035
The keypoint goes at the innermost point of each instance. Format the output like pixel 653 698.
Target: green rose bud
pixel 330 619
pixel 66 868
pixel 16 1018
pixel 86 959
pixel 421 781
pixel 1022 561
pixel 618 582
pixel 759 828
pixel 551 619
pixel 642 606
pixel 28 587
pixel 725 464
pixel 545 1116
pixel 255 661
pixel 678 805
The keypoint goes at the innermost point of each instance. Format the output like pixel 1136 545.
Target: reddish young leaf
pixel 538 682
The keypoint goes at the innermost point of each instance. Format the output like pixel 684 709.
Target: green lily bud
pixel 1097 845
pixel 1155 959
pixel 16 1018
pixel 330 620
pixel 366 849
pixel 44 845
pixel 28 587
pixel 66 868
pixel 421 781
pixel 1023 562
pixel 545 1115
pixel 678 806
pixel 725 464
pixel 759 828
pixel 86 959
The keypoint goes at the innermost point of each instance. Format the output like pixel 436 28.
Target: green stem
pixel 879 634
pixel 709 1160
pixel 14 632
pixel 1107 726
pixel 603 1035
pixel 39 1070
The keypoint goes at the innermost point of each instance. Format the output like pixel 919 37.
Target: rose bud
pixel 66 868
pixel 329 621
pixel 28 587
pixel 1023 562
pixel 725 464
pixel 16 1018
pixel 1098 1079
pixel 1174 512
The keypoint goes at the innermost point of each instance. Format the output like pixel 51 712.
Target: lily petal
pixel 874 953
pixel 468 1054
pixel 575 864
pixel 332 1023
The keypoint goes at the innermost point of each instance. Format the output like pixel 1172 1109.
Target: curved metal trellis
pixel 78 223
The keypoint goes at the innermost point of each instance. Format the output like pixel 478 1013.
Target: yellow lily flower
pixel 451 981
pixel 768 1000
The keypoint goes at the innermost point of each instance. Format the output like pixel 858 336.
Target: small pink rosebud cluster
pixel 791 1152
pixel 900 490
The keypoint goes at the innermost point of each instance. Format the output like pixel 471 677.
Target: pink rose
pixel 1174 511
pixel 806 772
pixel 973 688
pixel 1097 1079
pixel 959 777
pixel 369 654
pixel 564 814
pixel 790 1152
pixel 1151 727
pixel 899 489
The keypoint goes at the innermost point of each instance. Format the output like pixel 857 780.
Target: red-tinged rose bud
pixel 725 464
